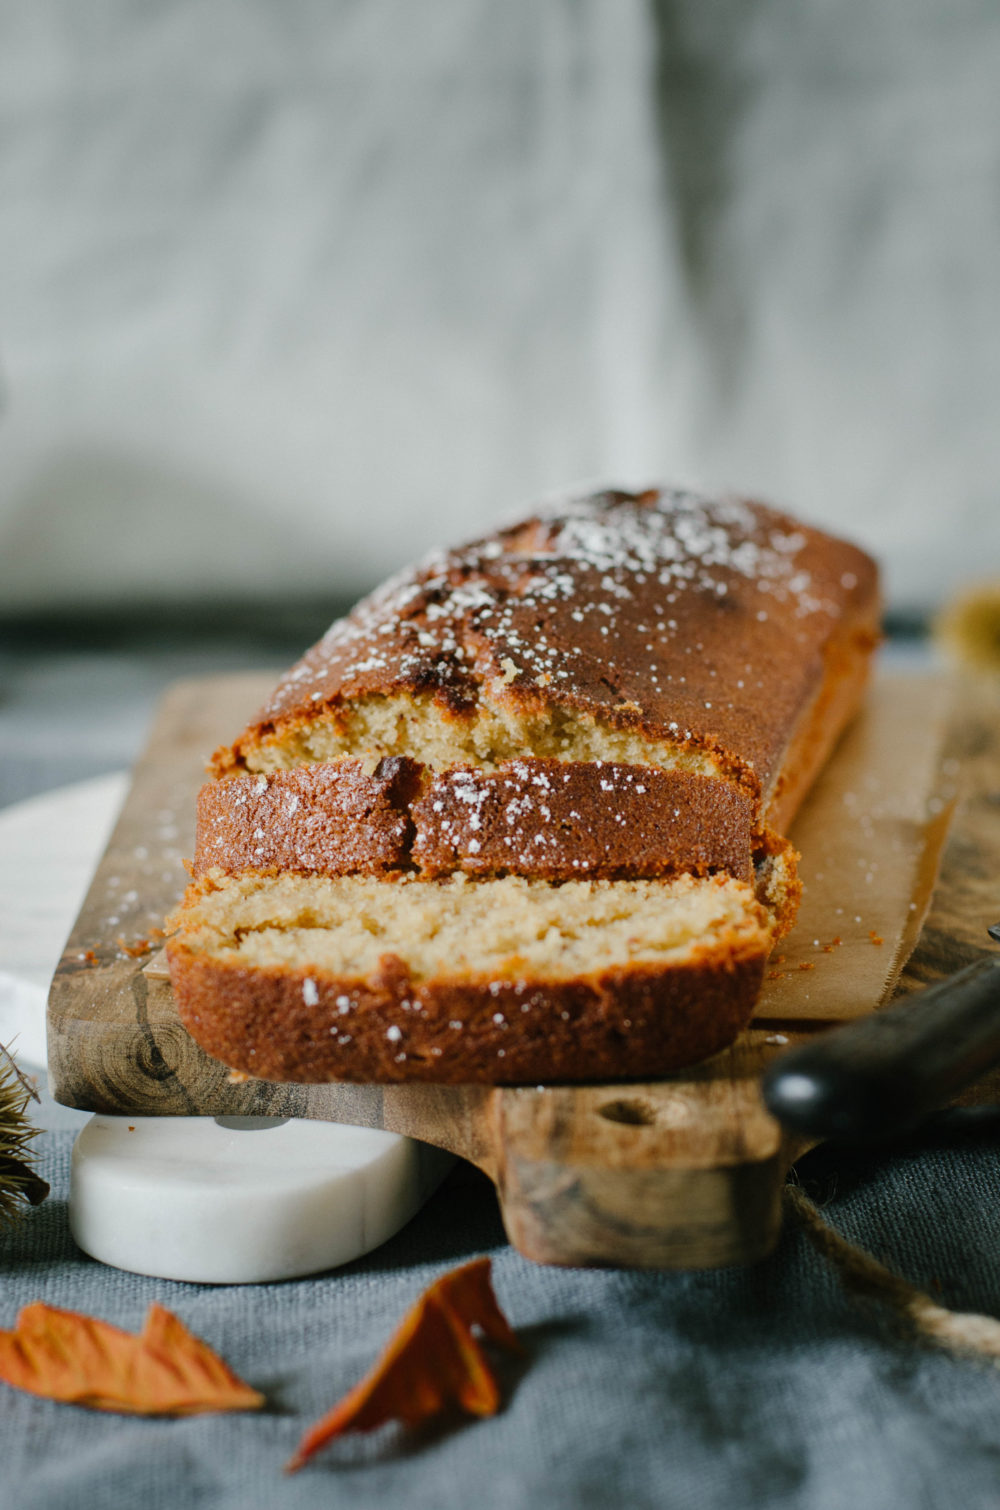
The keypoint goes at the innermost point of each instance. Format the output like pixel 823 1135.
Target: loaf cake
pixel 520 816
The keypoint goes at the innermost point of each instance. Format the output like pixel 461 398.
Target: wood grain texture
pixel 685 1172
pixel 966 899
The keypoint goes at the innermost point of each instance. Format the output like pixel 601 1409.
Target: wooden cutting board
pixel 683 1172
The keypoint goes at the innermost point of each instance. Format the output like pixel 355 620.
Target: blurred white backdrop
pixel 292 289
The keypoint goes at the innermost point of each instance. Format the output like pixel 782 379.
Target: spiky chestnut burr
pixel 19 1182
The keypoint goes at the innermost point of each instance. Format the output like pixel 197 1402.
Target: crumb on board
pixel 137 949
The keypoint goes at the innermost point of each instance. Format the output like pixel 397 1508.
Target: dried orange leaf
pixel 434 1361
pixel 165 1371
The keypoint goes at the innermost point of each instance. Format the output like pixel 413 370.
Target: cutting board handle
pixel 644 1176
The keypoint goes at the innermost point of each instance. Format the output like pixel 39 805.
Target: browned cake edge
pixel 634 1021
pixel 550 819
pixel 327 819
pixel 847 666
pixel 561 820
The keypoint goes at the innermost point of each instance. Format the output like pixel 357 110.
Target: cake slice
pixel 302 978
pixel 520 816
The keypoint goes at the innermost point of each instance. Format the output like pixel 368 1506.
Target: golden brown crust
pixel 847 663
pixel 557 820
pixel 563 819
pixel 701 622
pixel 333 819
pixel 637 1021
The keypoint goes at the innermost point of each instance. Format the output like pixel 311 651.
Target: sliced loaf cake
pixel 520 816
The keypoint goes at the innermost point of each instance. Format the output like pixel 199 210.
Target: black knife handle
pixel 880 1076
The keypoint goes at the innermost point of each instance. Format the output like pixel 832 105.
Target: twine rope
pixel 960 1331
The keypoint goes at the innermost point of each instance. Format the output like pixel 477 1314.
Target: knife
pixel 879 1077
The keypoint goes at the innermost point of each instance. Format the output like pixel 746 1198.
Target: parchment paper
pixel 871 835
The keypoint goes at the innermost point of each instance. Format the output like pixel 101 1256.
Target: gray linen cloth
pixel 761 1386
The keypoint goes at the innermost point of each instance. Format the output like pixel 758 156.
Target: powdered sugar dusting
pixel 590 603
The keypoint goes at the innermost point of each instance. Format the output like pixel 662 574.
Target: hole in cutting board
pixel 250 1124
pixel 632 1113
